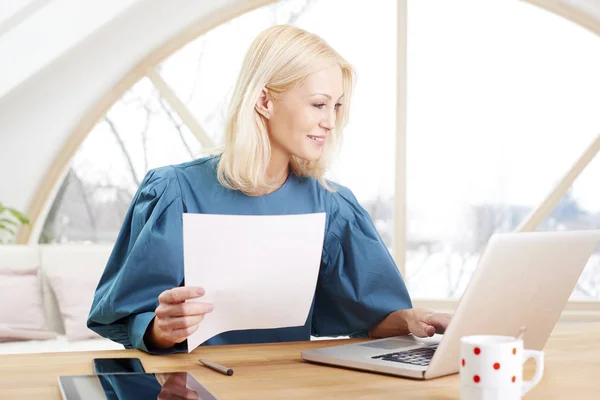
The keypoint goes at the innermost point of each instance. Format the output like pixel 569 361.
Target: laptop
pixel 522 279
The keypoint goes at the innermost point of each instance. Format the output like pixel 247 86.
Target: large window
pixel 497 112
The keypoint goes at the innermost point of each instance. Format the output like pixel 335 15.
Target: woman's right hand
pixel 175 319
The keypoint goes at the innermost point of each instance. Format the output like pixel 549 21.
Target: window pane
pixel 495 117
pixel 580 210
pixel 138 133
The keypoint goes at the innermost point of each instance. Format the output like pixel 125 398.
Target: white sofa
pixel 46 292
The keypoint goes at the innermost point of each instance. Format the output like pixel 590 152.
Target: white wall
pixel 13 11
pixel 49 30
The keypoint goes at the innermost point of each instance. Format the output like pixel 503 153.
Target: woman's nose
pixel 329 121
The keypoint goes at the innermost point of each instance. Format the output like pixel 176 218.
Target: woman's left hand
pixel 417 321
pixel 425 323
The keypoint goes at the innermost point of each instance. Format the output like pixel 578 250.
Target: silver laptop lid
pixel 522 279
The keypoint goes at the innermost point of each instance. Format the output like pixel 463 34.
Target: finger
pixel 183 309
pixel 423 330
pixel 171 324
pixel 443 316
pixel 180 294
pixel 179 335
pixel 429 331
pixel 439 322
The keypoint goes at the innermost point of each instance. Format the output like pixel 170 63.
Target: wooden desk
pixel 275 371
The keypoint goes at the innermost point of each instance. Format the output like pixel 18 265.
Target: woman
pixel 285 122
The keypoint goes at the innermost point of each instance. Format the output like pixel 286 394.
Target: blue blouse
pixel 358 284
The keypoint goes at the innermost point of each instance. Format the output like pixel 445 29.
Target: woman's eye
pixel 321 105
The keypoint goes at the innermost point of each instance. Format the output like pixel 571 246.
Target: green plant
pixel 10 220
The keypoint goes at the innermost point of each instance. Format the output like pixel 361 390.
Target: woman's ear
pixel 264 104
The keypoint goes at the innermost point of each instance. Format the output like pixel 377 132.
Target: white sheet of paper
pixel 259 271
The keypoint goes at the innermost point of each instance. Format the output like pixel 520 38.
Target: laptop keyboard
pixel 421 356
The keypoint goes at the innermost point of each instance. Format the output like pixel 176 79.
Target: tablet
pixel 132 386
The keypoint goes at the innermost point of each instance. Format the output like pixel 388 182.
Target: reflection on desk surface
pixel 171 385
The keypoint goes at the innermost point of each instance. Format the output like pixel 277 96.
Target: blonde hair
pixel 278 59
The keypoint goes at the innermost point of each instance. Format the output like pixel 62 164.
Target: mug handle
pixel 538 356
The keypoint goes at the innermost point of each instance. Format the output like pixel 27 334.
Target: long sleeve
pixel 146 260
pixel 359 283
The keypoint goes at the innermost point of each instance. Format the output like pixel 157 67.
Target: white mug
pixel 491 367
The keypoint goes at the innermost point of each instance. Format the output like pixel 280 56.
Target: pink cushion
pixel 74 291
pixel 21 314
pixel 73 273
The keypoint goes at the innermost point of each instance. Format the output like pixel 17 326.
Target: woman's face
pixel 300 121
